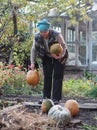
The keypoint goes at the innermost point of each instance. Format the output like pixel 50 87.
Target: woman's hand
pixel 32 66
pixel 57 56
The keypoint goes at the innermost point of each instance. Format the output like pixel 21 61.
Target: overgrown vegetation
pixel 76 87
pixel 87 86
pixel 13 82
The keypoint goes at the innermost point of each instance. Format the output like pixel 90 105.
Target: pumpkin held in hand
pixel 46 105
pixel 72 106
pixel 32 77
pixel 59 114
pixel 56 48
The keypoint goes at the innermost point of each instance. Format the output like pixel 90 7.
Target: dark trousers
pixel 53 77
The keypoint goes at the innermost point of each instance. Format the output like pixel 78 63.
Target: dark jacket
pixel 40 44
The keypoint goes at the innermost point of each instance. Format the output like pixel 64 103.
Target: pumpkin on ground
pixel 46 105
pixel 56 48
pixel 32 77
pixel 59 114
pixel 72 106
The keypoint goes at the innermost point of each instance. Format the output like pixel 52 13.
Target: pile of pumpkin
pixel 59 113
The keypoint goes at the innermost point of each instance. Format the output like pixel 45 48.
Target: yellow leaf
pixel 72 2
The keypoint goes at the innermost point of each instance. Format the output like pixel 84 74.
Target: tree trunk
pixel 15 23
pixel 15 32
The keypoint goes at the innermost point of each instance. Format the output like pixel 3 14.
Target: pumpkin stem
pixel 60 109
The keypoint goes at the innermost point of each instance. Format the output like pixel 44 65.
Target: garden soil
pixel 84 119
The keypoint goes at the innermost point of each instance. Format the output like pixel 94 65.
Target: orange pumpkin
pixel 72 106
pixel 32 77
pixel 56 48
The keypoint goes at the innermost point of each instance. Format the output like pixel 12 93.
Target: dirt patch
pixel 86 116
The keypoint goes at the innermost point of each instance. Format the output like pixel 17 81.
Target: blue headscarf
pixel 43 25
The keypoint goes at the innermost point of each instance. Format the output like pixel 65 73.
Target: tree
pixel 12 25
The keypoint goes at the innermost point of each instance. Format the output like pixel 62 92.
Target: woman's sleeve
pixel 33 53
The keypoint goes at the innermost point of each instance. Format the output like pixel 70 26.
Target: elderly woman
pixel 53 65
